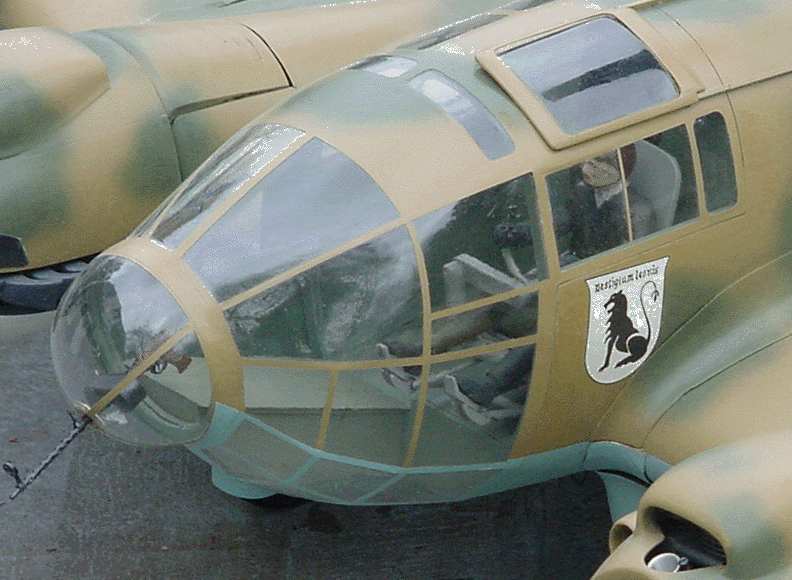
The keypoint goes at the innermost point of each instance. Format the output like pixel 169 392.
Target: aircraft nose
pixel 123 353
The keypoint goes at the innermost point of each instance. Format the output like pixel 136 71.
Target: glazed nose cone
pixel 123 352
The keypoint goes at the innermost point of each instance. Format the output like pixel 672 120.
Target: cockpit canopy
pixel 360 272
pixel 312 267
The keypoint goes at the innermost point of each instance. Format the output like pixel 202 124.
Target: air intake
pixel 687 540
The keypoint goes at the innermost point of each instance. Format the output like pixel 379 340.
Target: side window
pixel 483 258
pixel 592 214
pixel 717 164
pixel 485 244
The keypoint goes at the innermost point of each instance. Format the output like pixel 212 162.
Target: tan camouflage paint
pixel 740 493
pixel 76 15
pixel 556 415
pixel 565 405
pixel 139 107
pixel 718 373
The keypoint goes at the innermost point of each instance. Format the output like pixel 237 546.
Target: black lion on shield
pixel 622 333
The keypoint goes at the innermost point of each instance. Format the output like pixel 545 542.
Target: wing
pixel 97 127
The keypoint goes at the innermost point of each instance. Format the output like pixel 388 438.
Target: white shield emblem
pixel 625 309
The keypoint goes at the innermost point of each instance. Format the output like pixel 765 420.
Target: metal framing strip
pixel 423 276
pixel 203 312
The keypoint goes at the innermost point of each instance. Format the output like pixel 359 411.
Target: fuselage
pixel 530 245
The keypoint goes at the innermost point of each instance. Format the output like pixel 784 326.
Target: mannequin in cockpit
pixel 597 206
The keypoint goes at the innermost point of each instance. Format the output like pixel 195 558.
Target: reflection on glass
pixel 513 318
pixel 338 310
pixel 434 487
pixel 341 481
pixel 466 110
pixel 509 319
pixel 219 176
pixel 474 407
pixel 116 316
pixel 174 394
pixel 590 210
pixel 252 452
pixel 481 388
pixel 589 205
pixel 312 202
pixel 387 66
pixel 483 245
pixel 664 175
pixel 240 468
pixel 371 418
pixel 525 4
pixel 592 73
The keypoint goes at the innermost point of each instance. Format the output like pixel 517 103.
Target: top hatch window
pixel 591 74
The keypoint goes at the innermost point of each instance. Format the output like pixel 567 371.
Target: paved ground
pixel 109 511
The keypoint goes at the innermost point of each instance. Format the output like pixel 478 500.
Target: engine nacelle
pixel 726 513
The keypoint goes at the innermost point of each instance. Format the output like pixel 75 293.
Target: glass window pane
pixel 222 174
pixel 341 481
pixel 312 202
pixel 509 319
pixel 175 391
pixel 339 310
pixel 287 399
pixel 592 73
pixel 474 407
pixel 372 417
pixel 513 318
pixel 525 4
pixel 434 487
pixel 468 111
pixel 240 468
pixel 387 66
pixel 97 347
pixel 717 165
pixel 664 176
pixel 483 245
pixel 589 207
pixel 252 449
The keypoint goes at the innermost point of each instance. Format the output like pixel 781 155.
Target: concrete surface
pixel 105 510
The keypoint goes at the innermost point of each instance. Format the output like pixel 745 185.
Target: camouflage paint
pixel 35 196
pixel 739 493
pixel 24 114
pixel 89 14
pixel 205 103
pixel 725 321
pixel 152 148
